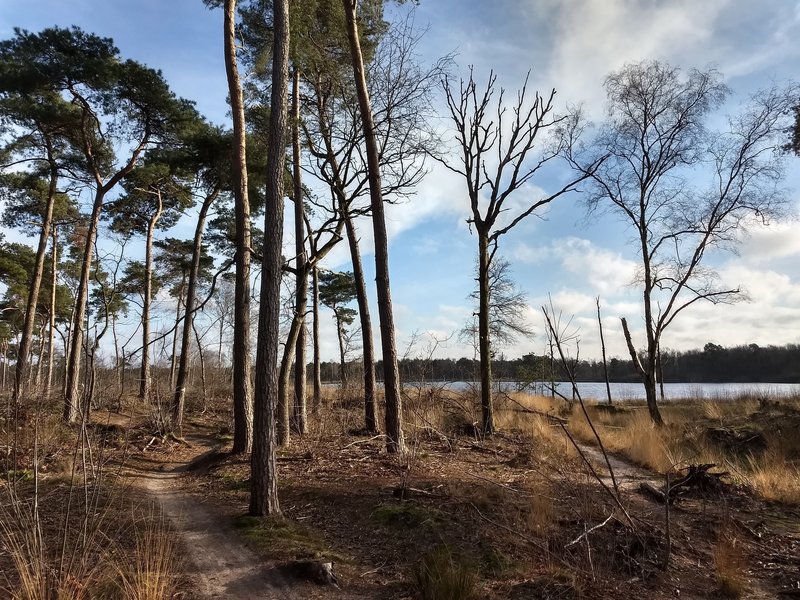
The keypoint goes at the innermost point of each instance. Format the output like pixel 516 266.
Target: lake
pixel 635 391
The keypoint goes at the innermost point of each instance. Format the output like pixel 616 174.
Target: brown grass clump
pixel 774 478
pixel 729 566
pixel 151 571
pixel 441 575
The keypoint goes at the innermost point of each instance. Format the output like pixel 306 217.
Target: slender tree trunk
pixel 315 340
pixel 370 402
pixel 301 282
pixel 603 349
pixel 179 399
pixel 71 403
pixel 24 348
pixel 391 376
pixel 649 370
pixel 118 363
pixel 242 371
pixel 340 337
pixel 282 412
pixel 147 296
pixel 484 342
pixel 5 363
pixel 646 372
pixel 40 358
pixel 48 382
pixel 201 357
pixel 173 361
pixel 263 473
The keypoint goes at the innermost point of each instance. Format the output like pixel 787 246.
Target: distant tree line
pixel 713 363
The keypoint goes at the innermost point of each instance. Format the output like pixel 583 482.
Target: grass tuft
pixel 729 566
pixel 440 575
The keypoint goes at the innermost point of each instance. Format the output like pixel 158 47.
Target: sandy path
pixel 218 563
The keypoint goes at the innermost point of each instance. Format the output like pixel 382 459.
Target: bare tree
pixel 501 149
pixel 659 150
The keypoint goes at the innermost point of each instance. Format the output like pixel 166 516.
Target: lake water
pixel 635 391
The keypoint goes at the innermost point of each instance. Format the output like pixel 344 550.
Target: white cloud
pixel 605 272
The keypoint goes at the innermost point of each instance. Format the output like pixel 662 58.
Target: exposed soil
pixel 218 564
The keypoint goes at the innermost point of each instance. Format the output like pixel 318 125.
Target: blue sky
pixel 567 44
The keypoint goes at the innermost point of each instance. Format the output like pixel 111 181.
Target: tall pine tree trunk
pixel 24 348
pixel 394 405
pixel 301 282
pixel 242 387
pixel 263 468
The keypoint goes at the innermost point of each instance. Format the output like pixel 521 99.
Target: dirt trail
pixel 628 475
pixel 219 565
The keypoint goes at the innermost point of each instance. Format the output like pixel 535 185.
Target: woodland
pixel 212 452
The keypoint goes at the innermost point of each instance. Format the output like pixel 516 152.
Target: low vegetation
pixel 755 440
pixel 514 515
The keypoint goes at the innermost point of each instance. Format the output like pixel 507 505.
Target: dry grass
pixel 729 566
pixel 774 478
pixel 773 473
pixel 151 571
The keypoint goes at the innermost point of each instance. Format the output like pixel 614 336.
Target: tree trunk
pixel 71 404
pixel 647 373
pixel 23 350
pixel 603 350
pixel 179 399
pixel 242 371
pixel 395 442
pixel 340 337
pixel 301 282
pixel 263 475
pixel 282 422
pixel 315 340
pixel 40 359
pixel 370 403
pixel 202 358
pixel 173 361
pixel 118 364
pixel 484 342
pixel 144 376
pixel 48 382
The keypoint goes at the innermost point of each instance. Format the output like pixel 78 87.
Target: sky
pixel 564 253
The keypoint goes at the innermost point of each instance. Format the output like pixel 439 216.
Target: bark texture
pixel 263 475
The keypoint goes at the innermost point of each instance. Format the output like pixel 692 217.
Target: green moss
pixel 20 475
pixel 405 515
pixel 495 563
pixel 285 539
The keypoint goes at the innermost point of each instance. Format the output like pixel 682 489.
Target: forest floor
pixel 517 515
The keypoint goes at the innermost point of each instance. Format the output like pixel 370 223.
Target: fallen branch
pixel 586 533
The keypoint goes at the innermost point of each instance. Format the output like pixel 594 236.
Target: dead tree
pixel 501 148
